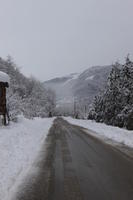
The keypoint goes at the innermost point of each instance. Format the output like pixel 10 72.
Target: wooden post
pixel 3 110
pixel 4 121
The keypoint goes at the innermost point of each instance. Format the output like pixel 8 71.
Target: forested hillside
pixel 81 88
pixel 115 105
pixel 26 96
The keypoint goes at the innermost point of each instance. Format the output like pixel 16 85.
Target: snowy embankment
pixel 104 131
pixel 19 145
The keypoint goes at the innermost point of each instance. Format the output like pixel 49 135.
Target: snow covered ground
pixel 19 145
pixel 104 131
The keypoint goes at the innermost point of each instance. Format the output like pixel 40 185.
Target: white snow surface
pixel 71 78
pixel 75 76
pixel 90 78
pixel 20 144
pixel 104 131
pixel 4 77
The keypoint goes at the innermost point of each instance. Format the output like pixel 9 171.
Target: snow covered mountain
pixel 82 86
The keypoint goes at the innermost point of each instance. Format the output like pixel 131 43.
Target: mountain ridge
pixel 82 86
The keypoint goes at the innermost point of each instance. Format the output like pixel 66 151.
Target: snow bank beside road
pixel 102 130
pixel 19 146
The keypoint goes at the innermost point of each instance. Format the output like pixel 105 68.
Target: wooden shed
pixel 4 83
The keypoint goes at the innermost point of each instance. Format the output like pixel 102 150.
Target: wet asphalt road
pixel 76 166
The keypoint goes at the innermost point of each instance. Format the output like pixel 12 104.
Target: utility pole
pixel 85 110
pixel 75 108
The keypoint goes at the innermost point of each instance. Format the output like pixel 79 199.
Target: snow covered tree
pixel 115 105
pixel 26 96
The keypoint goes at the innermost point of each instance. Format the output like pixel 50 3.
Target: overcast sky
pixel 49 38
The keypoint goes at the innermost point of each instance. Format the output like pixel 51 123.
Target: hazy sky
pixel 49 38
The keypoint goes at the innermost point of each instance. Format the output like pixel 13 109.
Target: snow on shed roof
pixel 4 77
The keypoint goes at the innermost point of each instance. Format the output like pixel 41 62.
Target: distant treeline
pixel 114 106
pixel 26 96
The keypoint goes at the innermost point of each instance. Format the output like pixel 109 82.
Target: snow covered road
pixel 20 144
pixel 105 132
pixel 78 166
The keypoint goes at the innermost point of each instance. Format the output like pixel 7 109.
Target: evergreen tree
pixel 115 105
